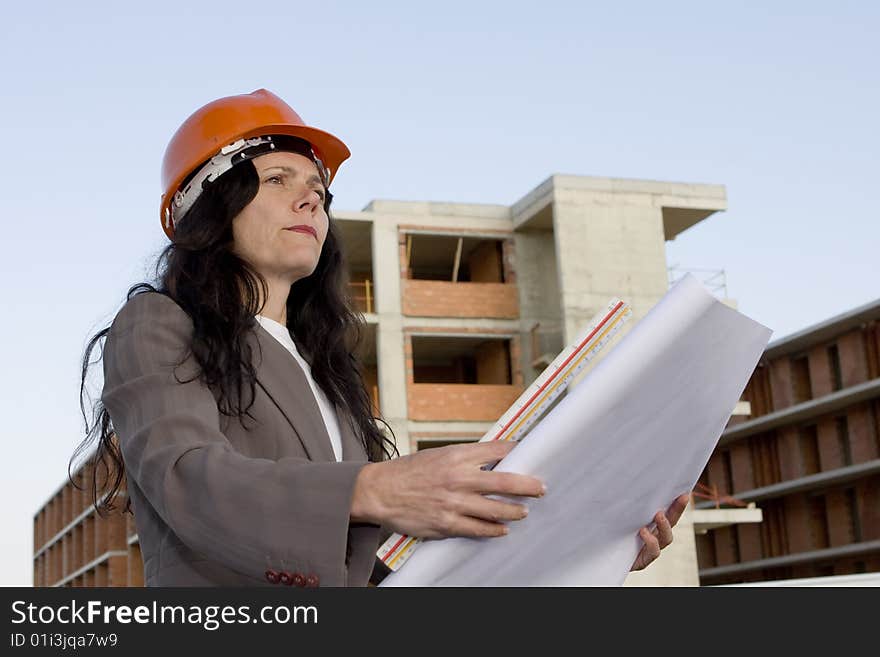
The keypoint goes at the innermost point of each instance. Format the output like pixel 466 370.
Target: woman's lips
pixel 304 229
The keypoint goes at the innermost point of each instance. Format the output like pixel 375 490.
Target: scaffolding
pixel 714 279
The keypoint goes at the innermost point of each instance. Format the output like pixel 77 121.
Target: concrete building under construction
pixel 465 304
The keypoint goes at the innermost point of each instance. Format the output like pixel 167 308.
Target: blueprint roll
pixel 625 441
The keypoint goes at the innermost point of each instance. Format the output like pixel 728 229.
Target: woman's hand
pixel 442 492
pixel 658 538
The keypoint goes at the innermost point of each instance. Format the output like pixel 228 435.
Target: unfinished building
pixel 465 304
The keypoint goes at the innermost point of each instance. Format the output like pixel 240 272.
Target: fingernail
pixel 525 511
pixel 543 489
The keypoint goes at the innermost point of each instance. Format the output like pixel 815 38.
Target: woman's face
pixel 282 230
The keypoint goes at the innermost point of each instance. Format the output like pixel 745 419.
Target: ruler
pixel 533 403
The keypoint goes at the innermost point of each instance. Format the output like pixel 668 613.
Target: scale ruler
pixel 533 403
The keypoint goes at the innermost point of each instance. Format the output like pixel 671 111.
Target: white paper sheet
pixel 627 440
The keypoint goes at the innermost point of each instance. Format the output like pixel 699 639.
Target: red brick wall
pixel 749 541
pixel 463 402
pixel 872 349
pixel 717 474
pixel 789 455
pixel 117 570
pixel 447 299
pixel 89 553
pixel 726 546
pixel 114 525
pixel 797 523
pixel 780 383
pixel 853 358
pixel 77 555
pixel 741 465
pixel 863 436
pixel 829 446
pixel 135 565
pixel 38 531
pixel 820 371
pixel 758 392
pixel 39 571
pixel 839 518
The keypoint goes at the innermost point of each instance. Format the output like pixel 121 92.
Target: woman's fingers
pixel 480 516
pixel 506 483
pixel 484 508
pixel 476 528
pixel 649 552
pixel 446 492
pixel 673 513
pixel 490 451
pixel 664 530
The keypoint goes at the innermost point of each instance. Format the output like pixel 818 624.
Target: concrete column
pixel 608 244
pixel 391 364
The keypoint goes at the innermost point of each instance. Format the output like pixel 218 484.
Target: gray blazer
pixel 217 504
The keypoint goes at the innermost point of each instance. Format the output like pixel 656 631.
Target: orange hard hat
pixel 221 125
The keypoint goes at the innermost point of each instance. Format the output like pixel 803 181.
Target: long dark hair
pixel 221 293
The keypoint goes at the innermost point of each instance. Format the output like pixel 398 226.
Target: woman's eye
pixel 320 193
pixel 273 178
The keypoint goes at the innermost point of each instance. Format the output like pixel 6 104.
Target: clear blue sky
pixel 453 101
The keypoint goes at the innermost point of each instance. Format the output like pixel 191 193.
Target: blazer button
pixel 272 576
pixel 298 579
pixel 285 578
pixel 312 581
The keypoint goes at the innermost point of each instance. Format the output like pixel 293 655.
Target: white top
pixel 328 412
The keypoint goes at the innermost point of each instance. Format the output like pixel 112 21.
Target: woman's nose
pixel 309 201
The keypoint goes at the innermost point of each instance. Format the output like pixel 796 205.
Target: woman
pixel 244 431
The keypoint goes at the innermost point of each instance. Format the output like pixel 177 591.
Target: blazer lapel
pixel 352 448
pixel 284 381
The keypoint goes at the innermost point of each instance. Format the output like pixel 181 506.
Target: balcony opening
pixel 727 469
pixel 357 243
pixel 474 360
pixel 852 511
pixel 843 443
pixel 834 363
pixel 800 379
pixel 455 259
pixel 818 521
pixel 366 356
